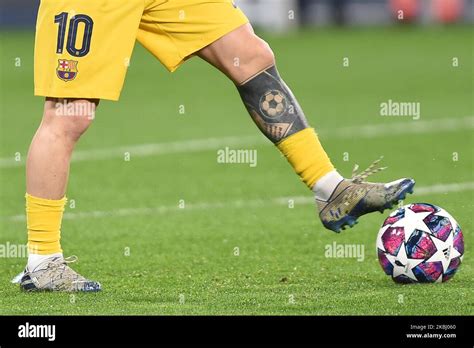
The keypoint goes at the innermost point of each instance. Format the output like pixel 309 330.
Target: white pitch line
pixel 210 144
pixel 445 188
pixel 253 203
pixel 401 128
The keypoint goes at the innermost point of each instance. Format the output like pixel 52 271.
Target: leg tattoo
pixel 272 105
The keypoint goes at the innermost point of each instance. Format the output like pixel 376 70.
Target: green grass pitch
pixel 237 247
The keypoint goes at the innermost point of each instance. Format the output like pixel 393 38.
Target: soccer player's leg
pixel 250 63
pixel 47 172
pixel 81 56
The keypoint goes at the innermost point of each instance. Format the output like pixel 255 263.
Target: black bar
pixel 223 330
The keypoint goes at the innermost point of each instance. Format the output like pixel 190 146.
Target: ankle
pixel 34 260
pixel 324 187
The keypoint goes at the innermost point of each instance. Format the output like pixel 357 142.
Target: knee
pixel 75 128
pixel 259 57
pixel 68 119
pixel 263 53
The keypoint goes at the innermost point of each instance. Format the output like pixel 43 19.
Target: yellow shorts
pixel 83 47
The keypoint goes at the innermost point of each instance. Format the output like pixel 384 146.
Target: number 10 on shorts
pixel 74 22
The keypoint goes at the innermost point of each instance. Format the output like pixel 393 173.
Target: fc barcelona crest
pixel 67 69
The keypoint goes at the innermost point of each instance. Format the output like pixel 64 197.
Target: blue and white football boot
pixel 54 274
pixel 354 197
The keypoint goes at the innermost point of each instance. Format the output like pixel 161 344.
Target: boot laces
pixel 59 269
pixel 358 178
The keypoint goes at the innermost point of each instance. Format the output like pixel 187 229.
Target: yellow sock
pixel 305 153
pixel 44 218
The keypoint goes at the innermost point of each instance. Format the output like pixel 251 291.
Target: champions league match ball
pixel 420 243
